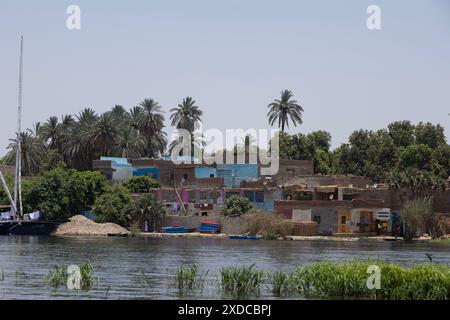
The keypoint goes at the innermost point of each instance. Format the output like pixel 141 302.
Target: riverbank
pixel 287 238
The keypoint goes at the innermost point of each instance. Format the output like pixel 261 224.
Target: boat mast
pixel 5 187
pixel 18 181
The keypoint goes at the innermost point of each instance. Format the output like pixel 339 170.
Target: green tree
pixel 236 206
pixel 59 193
pixel 114 206
pixel 32 150
pixel 148 208
pixel 402 133
pixel 186 115
pixel 141 184
pixel 283 109
pixel 430 134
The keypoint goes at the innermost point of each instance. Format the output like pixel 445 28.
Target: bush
pixel 270 225
pixel 141 184
pixel 235 206
pixel 113 206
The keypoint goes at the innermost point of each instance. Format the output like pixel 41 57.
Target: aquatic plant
pixel 349 280
pixel 57 277
pixel 242 281
pixel 189 278
pixel 280 283
pixel 141 279
pixel 87 276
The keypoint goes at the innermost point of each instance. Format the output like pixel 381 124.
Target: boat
pixel 19 223
pixel 174 229
pixel 244 237
pixel 210 227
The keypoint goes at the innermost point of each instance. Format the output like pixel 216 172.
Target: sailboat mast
pixel 18 181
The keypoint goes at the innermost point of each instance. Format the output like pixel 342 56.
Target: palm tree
pixel 130 144
pixel 151 118
pixel 186 115
pixel 86 116
pixel 32 150
pixel 284 109
pixel 102 135
pixel 148 118
pixel 51 132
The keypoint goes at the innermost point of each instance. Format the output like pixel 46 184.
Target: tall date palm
pixel 283 109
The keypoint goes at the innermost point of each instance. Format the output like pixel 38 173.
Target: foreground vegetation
pixel 340 281
pixel 58 276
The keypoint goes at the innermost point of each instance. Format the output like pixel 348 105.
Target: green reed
pixel 242 281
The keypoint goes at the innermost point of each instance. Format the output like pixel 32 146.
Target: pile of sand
pixel 82 226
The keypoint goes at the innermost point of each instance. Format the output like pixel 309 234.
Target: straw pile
pixel 82 226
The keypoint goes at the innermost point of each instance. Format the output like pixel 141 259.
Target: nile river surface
pixel 121 264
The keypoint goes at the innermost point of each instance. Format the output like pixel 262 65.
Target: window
pixel 211 175
pixel 185 177
pixel 343 219
pixel 259 197
pixel 202 195
pixel 249 195
pixel 317 219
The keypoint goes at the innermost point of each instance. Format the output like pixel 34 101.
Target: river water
pixel 144 268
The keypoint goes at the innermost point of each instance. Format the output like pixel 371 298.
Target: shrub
pixel 236 206
pixel 270 225
pixel 415 214
pixel 113 206
pixel 141 184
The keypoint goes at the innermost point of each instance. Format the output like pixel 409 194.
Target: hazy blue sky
pixel 233 57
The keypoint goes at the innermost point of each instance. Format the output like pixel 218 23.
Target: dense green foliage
pixel 402 146
pixel 62 193
pixel 114 206
pixel 349 280
pixel 141 184
pixel 236 206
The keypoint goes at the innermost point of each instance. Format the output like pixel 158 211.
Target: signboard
pixel 384 215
